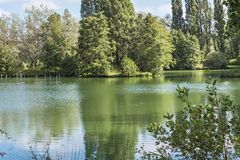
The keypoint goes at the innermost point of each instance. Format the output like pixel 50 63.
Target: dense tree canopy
pixel 46 41
pixel 95 50
pixel 187 52
pixel 152 46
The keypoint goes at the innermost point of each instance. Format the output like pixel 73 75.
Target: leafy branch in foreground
pixel 204 131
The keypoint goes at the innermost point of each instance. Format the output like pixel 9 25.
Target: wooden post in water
pixel 20 74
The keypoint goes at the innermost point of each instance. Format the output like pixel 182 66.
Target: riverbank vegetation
pixel 112 37
pixel 209 131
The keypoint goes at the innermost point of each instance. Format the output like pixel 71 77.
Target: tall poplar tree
pixel 219 25
pixel 191 25
pixel 177 15
pixel 87 8
pixel 199 21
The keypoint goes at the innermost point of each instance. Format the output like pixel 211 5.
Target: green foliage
pixel 53 54
pixel 120 16
pixel 191 17
pixel 87 8
pixel 187 53
pixel 129 68
pixel 198 22
pixel 233 13
pixel 204 131
pixel 94 46
pixel 33 36
pixel 219 25
pixel 177 15
pixel 152 45
pixel 8 60
pixel 216 60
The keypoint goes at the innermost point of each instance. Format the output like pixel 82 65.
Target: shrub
pixel 129 68
pixel 216 60
pixel 204 131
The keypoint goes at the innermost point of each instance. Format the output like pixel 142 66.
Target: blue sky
pixel 156 7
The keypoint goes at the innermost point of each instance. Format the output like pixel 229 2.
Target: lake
pixel 74 118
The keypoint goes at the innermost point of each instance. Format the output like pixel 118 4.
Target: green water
pixel 91 118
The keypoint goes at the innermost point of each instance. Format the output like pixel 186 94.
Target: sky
pixel 156 7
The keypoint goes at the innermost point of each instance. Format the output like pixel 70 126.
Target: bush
pixel 216 60
pixel 129 68
pixel 204 131
pixel 234 61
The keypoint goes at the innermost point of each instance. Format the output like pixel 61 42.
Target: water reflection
pixel 91 118
pixel 41 115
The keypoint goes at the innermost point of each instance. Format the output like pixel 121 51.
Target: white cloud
pixel 29 3
pixel 4 13
pixel 4 1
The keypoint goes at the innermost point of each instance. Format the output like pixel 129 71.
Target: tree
pixel 70 30
pixel 187 53
pixel 233 13
pixel 152 45
pixel 54 45
pixel 199 21
pixel 9 43
pixel 8 60
pixel 206 37
pixel 205 131
pixel 191 25
pixel 87 8
pixel 33 36
pixel 177 15
pixel 120 16
pixel 219 25
pixel 95 50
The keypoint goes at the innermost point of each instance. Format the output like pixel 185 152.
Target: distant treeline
pixel 112 38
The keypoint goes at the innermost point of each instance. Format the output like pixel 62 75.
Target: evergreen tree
pixel 94 46
pixel 219 25
pixel 177 15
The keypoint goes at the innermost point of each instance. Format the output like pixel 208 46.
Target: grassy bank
pixel 233 72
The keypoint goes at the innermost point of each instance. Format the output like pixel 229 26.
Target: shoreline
pixel 224 73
